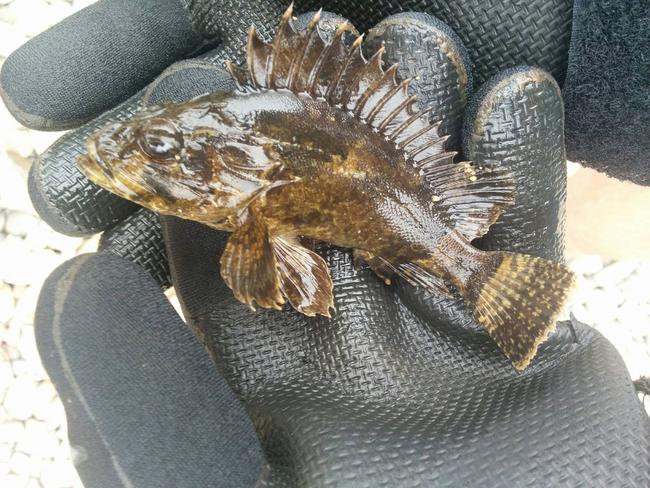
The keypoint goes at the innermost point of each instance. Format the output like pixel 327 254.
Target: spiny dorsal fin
pixel 304 62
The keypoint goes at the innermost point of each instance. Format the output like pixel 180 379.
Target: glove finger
pixel 138 238
pixel 433 56
pixel 516 121
pixel 93 60
pixel 131 375
pixel 506 33
pixel 63 196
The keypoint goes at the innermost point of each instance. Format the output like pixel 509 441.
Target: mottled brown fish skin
pixel 354 190
pixel 319 143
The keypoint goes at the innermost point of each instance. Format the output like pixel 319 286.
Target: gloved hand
pixel 400 388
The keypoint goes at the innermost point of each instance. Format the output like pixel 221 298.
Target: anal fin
pixel 380 267
pixel 304 277
pixel 248 265
pixel 416 273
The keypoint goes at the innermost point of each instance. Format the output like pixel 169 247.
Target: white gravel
pixel 613 297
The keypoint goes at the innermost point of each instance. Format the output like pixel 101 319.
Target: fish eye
pixel 160 139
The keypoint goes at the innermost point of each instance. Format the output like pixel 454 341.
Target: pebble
pixel 20 463
pixel 27 340
pixel 45 394
pixel 88 245
pixel 53 414
pixel 11 432
pixel 10 335
pixel 30 370
pixel 13 480
pixel 13 187
pixel 20 223
pixel 12 39
pixel 6 377
pixel 586 265
pixel 614 273
pixel 20 398
pixel 25 306
pixel 41 236
pixel 14 271
pixel 38 440
pixel 5 453
pixel 6 303
pixel 58 474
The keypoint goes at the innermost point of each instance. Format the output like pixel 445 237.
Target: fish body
pixel 318 143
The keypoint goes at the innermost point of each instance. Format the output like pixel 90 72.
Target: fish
pixel 319 144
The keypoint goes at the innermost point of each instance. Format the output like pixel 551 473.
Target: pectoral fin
pixel 304 277
pixel 248 265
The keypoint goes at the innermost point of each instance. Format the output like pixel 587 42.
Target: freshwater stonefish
pixel 319 143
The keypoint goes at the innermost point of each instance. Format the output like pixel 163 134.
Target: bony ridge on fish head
pixel 189 159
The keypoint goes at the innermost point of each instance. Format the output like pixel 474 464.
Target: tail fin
pixel 517 298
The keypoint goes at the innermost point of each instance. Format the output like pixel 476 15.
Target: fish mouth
pixel 103 170
pixel 94 166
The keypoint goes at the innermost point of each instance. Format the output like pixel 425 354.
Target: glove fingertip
pixel 186 80
pixel 434 58
pixel 93 60
pixel 138 238
pixel 516 121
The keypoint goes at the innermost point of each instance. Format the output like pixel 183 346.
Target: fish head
pixel 188 159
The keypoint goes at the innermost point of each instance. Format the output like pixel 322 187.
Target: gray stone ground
pixel 613 296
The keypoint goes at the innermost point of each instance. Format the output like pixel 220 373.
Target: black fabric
pixel 138 238
pixel 93 60
pixel 607 89
pixel 145 406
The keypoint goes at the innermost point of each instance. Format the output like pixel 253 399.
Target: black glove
pixel 398 388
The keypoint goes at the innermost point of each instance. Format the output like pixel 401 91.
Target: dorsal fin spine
pixel 354 50
pixel 408 122
pixel 277 42
pixel 377 57
pixel 417 134
pixel 233 70
pixel 408 101
pixel 313 77
pixel 374 59
pixel 390 72
pixel 417 150
pixel 430 162
pixel 312 28
pixel 249 54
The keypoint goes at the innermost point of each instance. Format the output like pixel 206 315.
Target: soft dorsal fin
pixel 304 62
